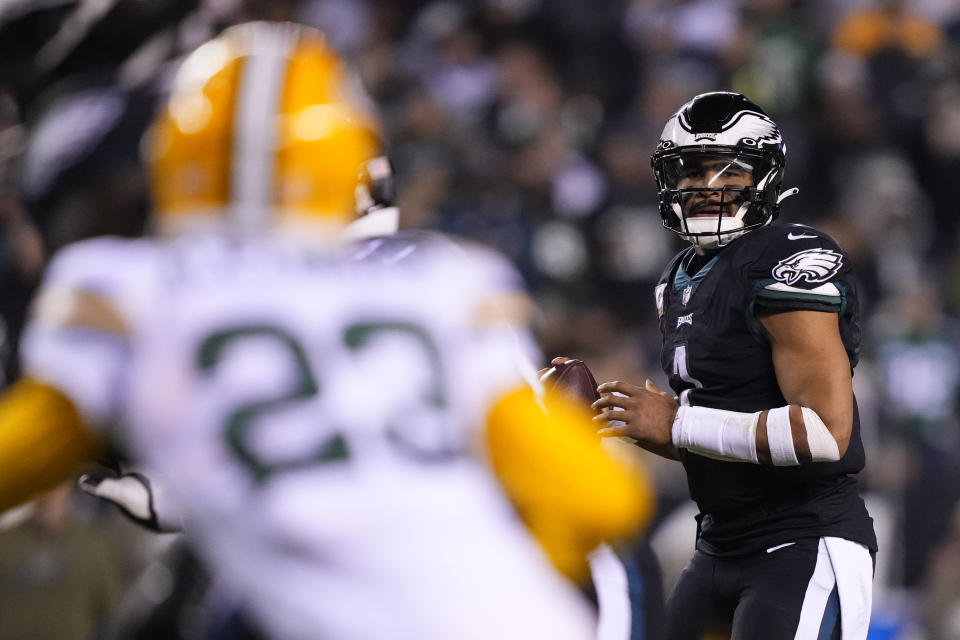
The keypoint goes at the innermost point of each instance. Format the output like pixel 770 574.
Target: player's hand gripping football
pixel 554 362
pixel 647 412
pixel 573 377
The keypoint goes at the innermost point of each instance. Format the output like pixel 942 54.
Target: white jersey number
pixel 241 421
pixel 682 371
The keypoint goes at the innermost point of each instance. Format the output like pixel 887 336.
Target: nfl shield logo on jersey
pixel 685 298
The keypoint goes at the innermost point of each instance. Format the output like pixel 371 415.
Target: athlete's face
pixel 711 174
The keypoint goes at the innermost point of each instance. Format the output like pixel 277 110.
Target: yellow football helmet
pixel 264 130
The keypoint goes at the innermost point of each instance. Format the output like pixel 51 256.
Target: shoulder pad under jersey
pixel 795 266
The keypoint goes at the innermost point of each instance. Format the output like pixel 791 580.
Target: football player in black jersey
pixel 760 330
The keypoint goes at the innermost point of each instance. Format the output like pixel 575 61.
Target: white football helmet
pixel 728 130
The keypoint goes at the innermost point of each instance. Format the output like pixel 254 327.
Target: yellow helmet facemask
pixel 264 130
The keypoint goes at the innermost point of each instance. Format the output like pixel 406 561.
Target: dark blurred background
pixel 529 124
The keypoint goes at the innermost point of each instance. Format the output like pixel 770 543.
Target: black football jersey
pixel 715 355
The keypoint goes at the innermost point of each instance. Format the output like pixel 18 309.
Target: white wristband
pixel 780 437
pixel 715 433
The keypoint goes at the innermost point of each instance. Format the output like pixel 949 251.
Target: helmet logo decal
pixel 745 128
pixel 812 265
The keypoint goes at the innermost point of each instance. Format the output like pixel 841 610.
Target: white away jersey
pixel 317 419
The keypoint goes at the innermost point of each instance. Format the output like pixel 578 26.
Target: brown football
pixel 574 378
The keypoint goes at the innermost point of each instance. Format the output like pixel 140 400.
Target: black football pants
pixel 751 597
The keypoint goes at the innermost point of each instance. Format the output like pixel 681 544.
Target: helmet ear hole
pixel 375 188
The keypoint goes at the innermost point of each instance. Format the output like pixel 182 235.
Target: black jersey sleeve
pixel 798 267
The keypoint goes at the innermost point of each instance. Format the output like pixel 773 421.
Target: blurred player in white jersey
pixel 350 445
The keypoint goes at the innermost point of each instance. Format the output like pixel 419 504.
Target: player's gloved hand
pixel 141 500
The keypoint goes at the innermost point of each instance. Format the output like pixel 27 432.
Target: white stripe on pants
pixel 847 566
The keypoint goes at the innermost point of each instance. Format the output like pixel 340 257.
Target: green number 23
pixel 241 421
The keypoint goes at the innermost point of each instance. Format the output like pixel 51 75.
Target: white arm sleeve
pixel 85 362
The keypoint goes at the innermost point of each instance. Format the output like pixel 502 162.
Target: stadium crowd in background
pixel 529 124
pixel 275 402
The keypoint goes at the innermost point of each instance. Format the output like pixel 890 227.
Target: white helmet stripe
pixel 255 128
